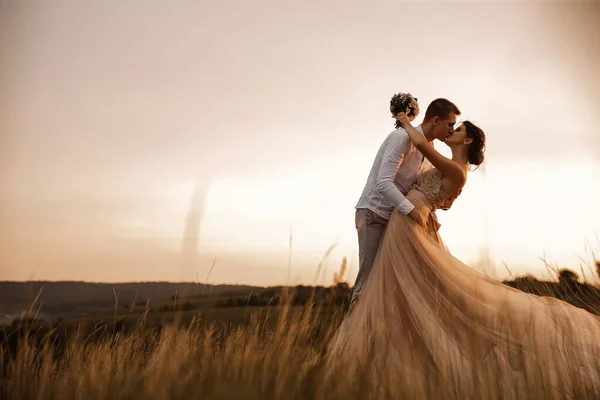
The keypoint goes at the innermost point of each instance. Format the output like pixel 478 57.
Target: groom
pixel 393 172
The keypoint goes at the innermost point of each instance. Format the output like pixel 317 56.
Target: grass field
pixel 236 352
pixel 212 347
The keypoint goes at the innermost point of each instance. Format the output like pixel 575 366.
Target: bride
pixel 429 326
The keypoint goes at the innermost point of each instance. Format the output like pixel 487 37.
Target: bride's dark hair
pixel 477 146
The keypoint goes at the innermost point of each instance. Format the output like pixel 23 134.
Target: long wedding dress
pixel 428 326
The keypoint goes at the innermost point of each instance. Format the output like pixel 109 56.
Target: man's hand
pixel 415 216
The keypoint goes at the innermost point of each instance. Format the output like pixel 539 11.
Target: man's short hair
pixel 441 108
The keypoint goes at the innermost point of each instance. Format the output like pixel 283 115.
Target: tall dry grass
pixel 281 359
pixel 280 354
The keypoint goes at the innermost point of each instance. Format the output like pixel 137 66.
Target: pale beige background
pixel 111 113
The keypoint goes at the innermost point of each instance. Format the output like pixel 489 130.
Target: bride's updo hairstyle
pixel 402 102
pixel 477 146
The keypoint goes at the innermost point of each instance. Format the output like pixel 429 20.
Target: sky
pixel 127 127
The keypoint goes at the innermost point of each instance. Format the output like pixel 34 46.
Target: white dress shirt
pixel 394 170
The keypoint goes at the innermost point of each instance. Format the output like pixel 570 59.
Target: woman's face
pixel 458 137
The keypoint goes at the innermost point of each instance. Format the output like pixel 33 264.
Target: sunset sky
pixel 113 114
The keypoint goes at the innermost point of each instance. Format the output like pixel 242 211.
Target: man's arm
pixel 393 156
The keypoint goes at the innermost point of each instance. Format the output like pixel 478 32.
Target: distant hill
pixel 568 288
pixel 62 298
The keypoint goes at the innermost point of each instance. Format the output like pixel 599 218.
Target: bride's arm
pixel 446 166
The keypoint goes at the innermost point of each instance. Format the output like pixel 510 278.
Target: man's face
pixel 442 128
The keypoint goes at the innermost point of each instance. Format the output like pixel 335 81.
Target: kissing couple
pixel 420 320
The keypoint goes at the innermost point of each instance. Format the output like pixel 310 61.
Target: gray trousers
pixel 370 228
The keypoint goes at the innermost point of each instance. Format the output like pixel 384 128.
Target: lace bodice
pixel 430 184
